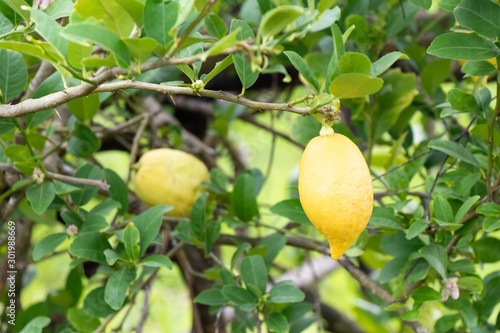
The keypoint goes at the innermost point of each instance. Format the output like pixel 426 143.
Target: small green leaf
pixel 84 142
pixel 285 293
pixel 241 64
pixel 84 107
pixel 157 260
pixel 354 62
pixel 491 224
pixel 141 48
pixel 86 171
pixel 117 286
pixel 36 325
pixel 254 271
pixel 454 150
pixel 90 246
pixel 416 228
pixel 470 283
pixel 276 322
pixel 382 64
pixel 243 198
pixel 159 17
pixel 487 250
pixel 479 68
pixel 50 30
pixel 48 244
pixel 463 102
pixel 215 26
pixel 434 73
pixel 94 222
pixel 65 188
pixel 198 218
pixel 219 67
pixel 460 46
pixel 425 293
pixel 480 16
pixel 353 85
pixel 277 19
pixel 442 209
pixel 238 295
pixel 13 74
pixel 83 323
pixel 149 223
pixel 40 196
pixel 291 209
pixel 304 69
pixel 211 297
pixel 425 4
pixel 411 315
pixel 23 182
pixel 117 190
pixel 131 239
pixel 466 206
pixel 436 256
pixel 95 306
pixel 489 209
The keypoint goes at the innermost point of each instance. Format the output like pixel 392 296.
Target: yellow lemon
pixel 336 190
pixel 170 177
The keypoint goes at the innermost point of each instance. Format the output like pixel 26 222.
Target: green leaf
pixel 50 30
pixel 285 293
pixel 479 68
pixel 149 223
pixel 105 207
pixel 304 69
pixel 48 244
pixel 489 209
pixel 17 6
pixel 384 219
pixel 219 67
pixel 242 65
pixel 354 62
pixel 463 102
pixel 291 209
pixel 436 256
pixel 59 8
pixel 135 8
pixel 118 189
pixel 460 46
pixel 442 209
pixel 425 4
pixel 83 33
pixel 117 286
pixel 13 74
pixel 382 64
pixel 276 322
pixel 454 150
pixel 40 196
pixel 243 198
pixel 84 107
pixel 84 142
pixel 411 315
pixel 332 70
pixel 36 325
pixel 434 73
pixel 198 218
pixel 274 244
pixel 222 44
pixel 90 246
pixel 425 293
pixel 111 256
pixel 131 239
pixel 6 125
pixel 487 249
pixel 23 182
pixel 254 272
pixel 94 223
pixel 141 48
pixel 491 224
pixel 65 188
pixel 238 295
pixel 466 206
pixel 448 5
pixel 159 17
pixel 416 228
pixel 83 323
pixel 215 26
pixel 480 16
pixel 157 260
pixel 86 171
pixel 277 19
pixel 211 297
pixel 353 85
pixel 446 323
pixel 111 14
pixel 470 283
pixel 95 306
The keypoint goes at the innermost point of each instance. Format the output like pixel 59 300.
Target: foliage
pixel 81 80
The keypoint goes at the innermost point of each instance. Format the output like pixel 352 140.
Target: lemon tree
pixel 249 166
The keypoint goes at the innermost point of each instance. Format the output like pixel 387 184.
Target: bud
pixel 72 230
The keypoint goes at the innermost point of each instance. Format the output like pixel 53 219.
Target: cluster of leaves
pixel 431 230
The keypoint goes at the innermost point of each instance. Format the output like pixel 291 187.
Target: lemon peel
pixel 336 190
pixel 170 177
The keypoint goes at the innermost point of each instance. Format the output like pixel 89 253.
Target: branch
pixel 172 90
pixel 103 75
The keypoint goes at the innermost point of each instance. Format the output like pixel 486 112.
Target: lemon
pixel 170 177
pixel 336 190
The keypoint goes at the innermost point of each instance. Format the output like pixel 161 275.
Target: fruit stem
pixel 326 130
